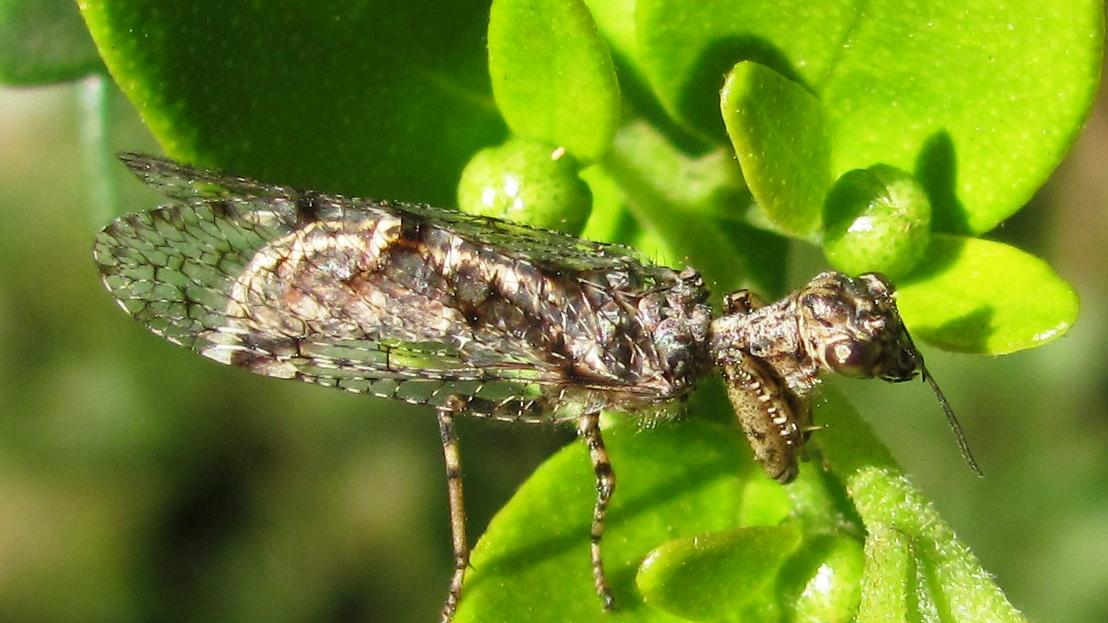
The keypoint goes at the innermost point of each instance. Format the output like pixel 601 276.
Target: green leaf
pixel 526 182
pixel 765 503
pixel 937 576
pixel 889 581
pixel 827 575
pixel 948 578
pixel 44 41
pixel 779 134
pixel 552 74
pixel 724 576
pixel 382 99
pixel 876 220
pixel 616 21
pixel 978 296
pixel 979 99
pixel 532 564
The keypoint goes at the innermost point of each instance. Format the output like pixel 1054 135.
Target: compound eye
pixel 851 358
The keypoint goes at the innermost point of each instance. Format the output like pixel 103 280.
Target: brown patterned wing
pixel 335 291
pixel 191 184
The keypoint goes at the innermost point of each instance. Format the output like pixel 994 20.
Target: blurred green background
pixel 139 482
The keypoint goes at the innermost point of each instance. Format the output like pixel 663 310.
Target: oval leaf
pixel 532 564
pixel 979 99
pixel 778 131
pixel 725 576
pixel 552 74
pixel 379 99
pixel 978 296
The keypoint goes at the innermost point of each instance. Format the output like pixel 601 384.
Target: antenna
pixel 959 435
pixel 955 426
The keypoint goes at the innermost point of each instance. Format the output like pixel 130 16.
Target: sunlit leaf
pixel 978 296
pixel 552 74
pixel 382 99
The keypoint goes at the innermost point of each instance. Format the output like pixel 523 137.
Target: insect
pixel 472 315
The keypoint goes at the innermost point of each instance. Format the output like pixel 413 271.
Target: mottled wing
pixel 541 247
pixel 212 273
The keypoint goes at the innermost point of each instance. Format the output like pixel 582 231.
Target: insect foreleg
pixel 588 426
pixel 773 417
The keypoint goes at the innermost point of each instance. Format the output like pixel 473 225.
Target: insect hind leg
pixel 453 459
pixel 588 427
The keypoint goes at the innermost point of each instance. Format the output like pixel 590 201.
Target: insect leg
pixel 773 417
pixel 452 453
pixel 588 426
